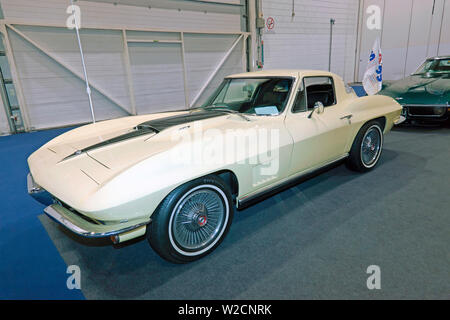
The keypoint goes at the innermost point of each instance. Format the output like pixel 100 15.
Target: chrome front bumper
pixel 81 225
pixel 400 120
pixel 83 228
pixel 37 192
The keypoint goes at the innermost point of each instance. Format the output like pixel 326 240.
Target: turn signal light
pixel 115 239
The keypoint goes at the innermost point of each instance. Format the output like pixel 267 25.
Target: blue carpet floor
pixel 31 266
pixel 312 241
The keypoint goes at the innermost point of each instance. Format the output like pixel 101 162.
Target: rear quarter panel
pixel 368 108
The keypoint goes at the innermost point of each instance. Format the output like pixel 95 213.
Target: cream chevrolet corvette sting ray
pixel 177 177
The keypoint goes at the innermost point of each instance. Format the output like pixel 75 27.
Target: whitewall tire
pixel 192 220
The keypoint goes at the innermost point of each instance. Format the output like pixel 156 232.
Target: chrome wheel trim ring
pixel 218 230
pixel 371 146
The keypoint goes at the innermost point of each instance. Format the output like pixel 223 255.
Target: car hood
pixel 420 89
pixel 93 155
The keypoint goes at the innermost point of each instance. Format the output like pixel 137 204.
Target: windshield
pixel 434 66
pixel 258 96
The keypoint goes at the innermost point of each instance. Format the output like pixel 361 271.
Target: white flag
pixel 373 78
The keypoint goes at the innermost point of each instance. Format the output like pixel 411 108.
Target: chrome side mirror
pixel 318 106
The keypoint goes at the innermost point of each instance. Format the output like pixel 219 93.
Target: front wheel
pixel 192 220
pixel 367 147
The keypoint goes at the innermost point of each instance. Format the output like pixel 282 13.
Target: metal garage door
pixel 300 35
pixel 140 58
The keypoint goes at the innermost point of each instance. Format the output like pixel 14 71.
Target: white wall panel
pixel 103 51
pixel 444 45
pixel 435 29
pixel 220 6
pixel 419 34
pixel 95 14
pixel 157 76
pixel 412 31
pixel 203 53
pixel 55 97
pixel 367 36
pixel 303 41
pixel 394 39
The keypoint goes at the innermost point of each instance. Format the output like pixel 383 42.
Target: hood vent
pixel 152 126
pixel 137 131
pixel 164 123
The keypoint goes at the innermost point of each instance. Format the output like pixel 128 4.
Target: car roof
pixel 281 73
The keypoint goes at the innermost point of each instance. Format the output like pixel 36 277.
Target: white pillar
pixel 253 34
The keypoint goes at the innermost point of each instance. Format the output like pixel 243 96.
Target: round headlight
pixel 438 111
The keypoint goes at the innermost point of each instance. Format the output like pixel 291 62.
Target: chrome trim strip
pixel 427 105
pixel 32 186
pixel 400 120
pixel 249 198
pixel 104 165
pixel 37 192
pixel 425 115
pixel 98 183
pixel 56 216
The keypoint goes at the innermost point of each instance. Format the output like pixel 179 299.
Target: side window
pixel 319 89
pixel 300 101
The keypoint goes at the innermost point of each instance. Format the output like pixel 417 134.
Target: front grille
pixel 426 111
pixel 420 111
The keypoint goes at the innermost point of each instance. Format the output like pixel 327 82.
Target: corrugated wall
pixel 99 14
pixel 47 56
pixel 444 44
pixel 412 30
pixel 202 53
pixel 53 95
pixel 302 40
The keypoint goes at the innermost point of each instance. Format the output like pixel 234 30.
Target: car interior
pixel 443 66
pixel 272 93
pixel 320 93
pixel 315 92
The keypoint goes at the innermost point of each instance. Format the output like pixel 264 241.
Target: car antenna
pixel 88 87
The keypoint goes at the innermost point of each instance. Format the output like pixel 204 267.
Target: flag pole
pixel 88 87
pixel 332 21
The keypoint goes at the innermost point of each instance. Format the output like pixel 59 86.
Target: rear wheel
pixel 192 221
pixel 367 147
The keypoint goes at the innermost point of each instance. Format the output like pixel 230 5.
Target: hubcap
pixel 371 147
pixel 198 220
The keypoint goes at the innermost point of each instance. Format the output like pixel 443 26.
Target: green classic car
pixel 424 95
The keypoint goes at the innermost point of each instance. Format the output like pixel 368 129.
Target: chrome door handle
pixel 348 117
